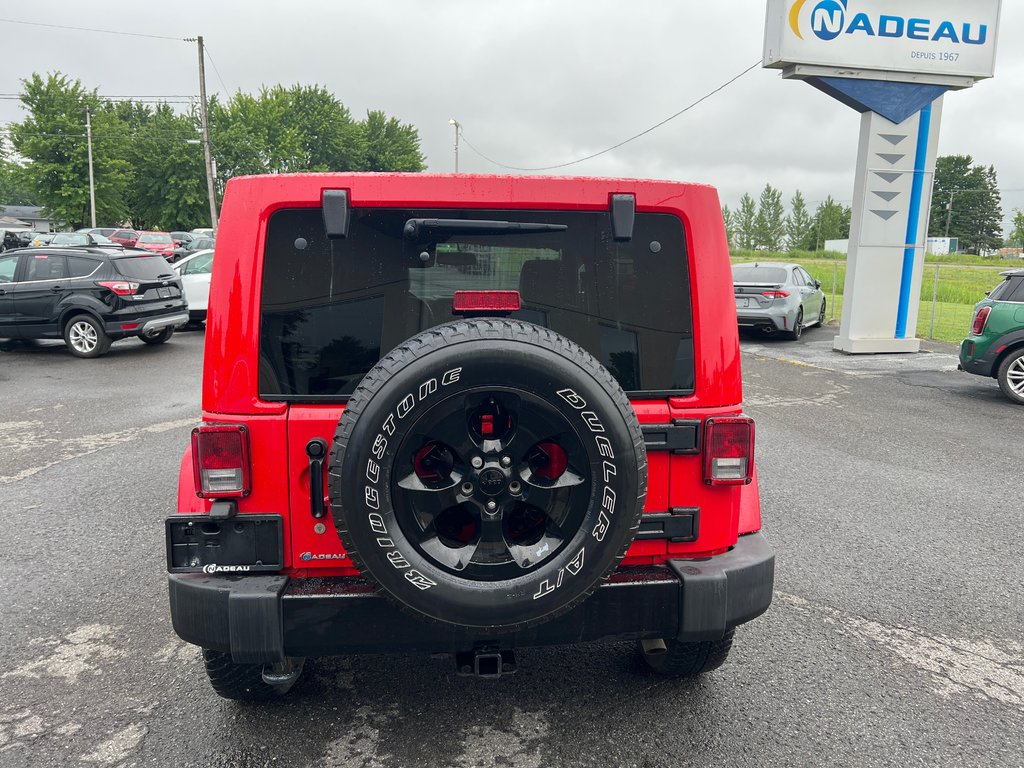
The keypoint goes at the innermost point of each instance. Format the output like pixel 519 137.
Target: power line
pixel 206 50
pixel 683 111
pixel 90 29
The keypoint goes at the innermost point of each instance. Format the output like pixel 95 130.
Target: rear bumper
pixel 969 361
pixel 765 319
pixel 163 322
pixel 260 619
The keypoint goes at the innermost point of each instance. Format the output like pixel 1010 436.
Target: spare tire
pixel 488 474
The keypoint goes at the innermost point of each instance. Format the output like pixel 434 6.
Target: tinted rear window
pixel 758 275
pixel 332 309
pixel 144 267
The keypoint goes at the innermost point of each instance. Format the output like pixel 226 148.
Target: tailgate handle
pixel 316 450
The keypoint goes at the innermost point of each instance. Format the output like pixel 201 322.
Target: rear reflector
pixel 120 287
pixel 220 460
pixel 980 321
pixel 486 301
pixel 728 450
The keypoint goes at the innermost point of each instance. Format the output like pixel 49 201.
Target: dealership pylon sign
pixel 892 61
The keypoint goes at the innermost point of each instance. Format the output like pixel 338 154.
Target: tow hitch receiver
pixel 486 664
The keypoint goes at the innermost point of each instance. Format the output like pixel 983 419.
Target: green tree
pixel 729 219
pixel 831 222
pixel 744 223
pixel 966 204
pixel 390 145
pixel 799 225
pixel 168 189
pixel 15 188
pixel 1016 238
pixel 305 128
pixel 52 139
pixel 769 224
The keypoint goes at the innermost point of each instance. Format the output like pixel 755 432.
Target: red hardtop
pixel 232 354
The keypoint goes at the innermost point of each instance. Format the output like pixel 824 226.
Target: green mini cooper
pixel 996 344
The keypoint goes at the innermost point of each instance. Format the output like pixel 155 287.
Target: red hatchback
pixel 467 414
pixel 125 237
pixel 156 242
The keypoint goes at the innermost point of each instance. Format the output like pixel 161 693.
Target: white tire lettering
pixel 575 565
pixel 601 529
pixel 372 471
pixel 572 399
pixel 396 559
pixel 608 501
pixel 591 420
pixel 407 404
pixel 380 445
pixel 389 425
pixel 604 447
pixel 546 588
pixel 609 471
pixel 418 580
pixel 372 498
pixel 377 524
pixel 428 388
pixel 450 377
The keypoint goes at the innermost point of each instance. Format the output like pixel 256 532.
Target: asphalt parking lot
pixel 891 490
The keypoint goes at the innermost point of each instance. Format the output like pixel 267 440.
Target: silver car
pixel 777 298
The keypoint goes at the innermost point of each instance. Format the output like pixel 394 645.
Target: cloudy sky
pixel 534 83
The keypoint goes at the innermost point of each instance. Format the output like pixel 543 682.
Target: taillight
pixel 775 294
pixel 980 321
pixel 728 450
pixel 120 287
pixel 485 301
pixel 220 460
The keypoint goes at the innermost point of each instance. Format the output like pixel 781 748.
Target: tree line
pixel 148 162
pixel 765 225
pixel 966 205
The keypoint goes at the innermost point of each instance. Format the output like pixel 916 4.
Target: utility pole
pixel 210 188
pixel 949 212
pixel 92 182
pixel 457 125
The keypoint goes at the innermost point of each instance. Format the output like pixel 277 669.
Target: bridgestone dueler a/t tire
pixel 448 361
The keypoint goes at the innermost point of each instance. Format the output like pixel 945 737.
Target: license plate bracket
pixel 239 544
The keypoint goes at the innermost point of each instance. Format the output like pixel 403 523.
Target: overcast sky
pixel 534 83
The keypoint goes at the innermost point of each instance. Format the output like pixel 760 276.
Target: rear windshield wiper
pixel 417 228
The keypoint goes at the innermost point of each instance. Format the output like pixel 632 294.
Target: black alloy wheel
pixel 488 474
pixel 492 483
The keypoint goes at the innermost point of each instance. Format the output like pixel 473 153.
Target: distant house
pixel 33 216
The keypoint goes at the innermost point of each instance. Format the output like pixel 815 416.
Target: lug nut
pixel 506 461
pixel 514 487
pixel 477 462
pixel 467 489
pixel 492 506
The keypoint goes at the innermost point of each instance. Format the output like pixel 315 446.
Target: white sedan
pixel 195 273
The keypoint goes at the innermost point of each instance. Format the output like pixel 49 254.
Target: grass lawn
pixel 960 288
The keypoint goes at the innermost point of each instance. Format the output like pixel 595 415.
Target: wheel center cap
pixel 492 481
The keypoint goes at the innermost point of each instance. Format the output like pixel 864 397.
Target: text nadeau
pixel 915 29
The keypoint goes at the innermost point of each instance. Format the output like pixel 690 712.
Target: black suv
pixel 89 296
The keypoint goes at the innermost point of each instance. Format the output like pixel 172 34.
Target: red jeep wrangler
pixel 466 414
